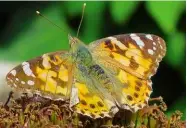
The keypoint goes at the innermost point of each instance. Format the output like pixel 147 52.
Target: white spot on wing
pixel 13 72
pixel 15 85
pixel 154 48
pixel 11 80
pixel 27 70
pixel 45 61
pixel 118 43
pixel 30 82
pixel 22 82
pixel 138 41
pixel 149 36
pixel 154 43
pixel 161 47
pixel 17 79
pixel 159 57
pixel 133 34
pixel 150 51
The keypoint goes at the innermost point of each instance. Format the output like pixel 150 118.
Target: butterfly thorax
pixel 80 53
pixel 86 66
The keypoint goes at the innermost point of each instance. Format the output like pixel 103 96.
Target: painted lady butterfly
pixel 97 79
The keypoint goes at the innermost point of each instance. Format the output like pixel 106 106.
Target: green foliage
pixel 93 21
pixel 73 8
pixel 121 11
pixel 31 41
pixel 92 18
pixel 166 14
pixel 176 49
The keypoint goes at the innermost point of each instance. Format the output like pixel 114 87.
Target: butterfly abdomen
pixel 100 74
pixel 97 69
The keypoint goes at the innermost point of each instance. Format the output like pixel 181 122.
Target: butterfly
pixel 98 79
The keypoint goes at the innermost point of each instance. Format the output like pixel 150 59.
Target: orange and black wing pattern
pixel 48 75
pixel 139 54
pixel 135 58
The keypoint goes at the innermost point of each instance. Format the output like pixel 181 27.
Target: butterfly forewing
pixel 139 54
pixel 47 75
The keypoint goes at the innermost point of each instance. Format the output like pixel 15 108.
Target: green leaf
pixel 121 11
pixel 39 37
pixel 166 13
pixel 176 49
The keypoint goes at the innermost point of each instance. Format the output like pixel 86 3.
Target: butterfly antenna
pixel 84 5
pixel 38 13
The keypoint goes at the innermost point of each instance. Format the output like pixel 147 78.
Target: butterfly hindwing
pixel 129 91
pixel 48 75
pixel 137 91
pixel 88 97
pixel 92 104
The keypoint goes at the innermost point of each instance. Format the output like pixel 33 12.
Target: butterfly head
pixel 73 41
pixel 80 53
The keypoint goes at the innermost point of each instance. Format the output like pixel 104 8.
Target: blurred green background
pixel 24 35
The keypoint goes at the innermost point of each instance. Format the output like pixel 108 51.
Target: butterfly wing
pixel 51 76
pixel 131 93
pixel 48 75
pixel 139 54
pixel 90 103
pixel 132 59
